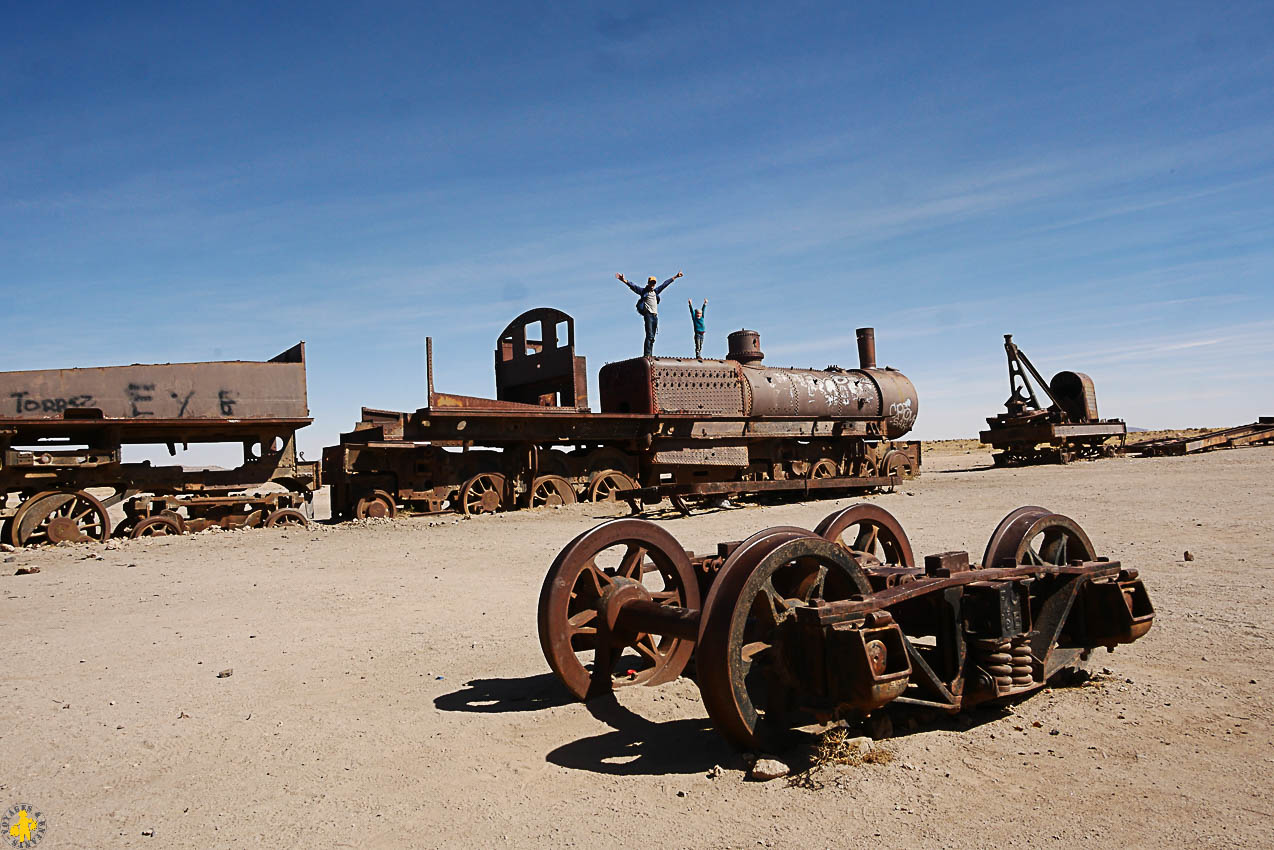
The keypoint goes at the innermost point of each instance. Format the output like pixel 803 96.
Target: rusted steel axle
pixel 792 627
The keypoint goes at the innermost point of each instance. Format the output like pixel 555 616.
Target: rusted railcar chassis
pixel 793 627
pixel 65 432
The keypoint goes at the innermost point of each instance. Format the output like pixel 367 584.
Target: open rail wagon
pixel 62 432
pixel 673 427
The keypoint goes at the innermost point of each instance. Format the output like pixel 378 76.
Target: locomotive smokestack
pixel 866 348
pixel 745 347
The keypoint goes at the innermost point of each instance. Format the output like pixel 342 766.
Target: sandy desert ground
pixel 388 689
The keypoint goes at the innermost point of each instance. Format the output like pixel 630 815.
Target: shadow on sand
pixel 501 696
pixel 640 747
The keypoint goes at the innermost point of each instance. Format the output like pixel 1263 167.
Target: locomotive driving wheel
pixel 1035 535
pixel 482 494
pixel 12 524
pixel 286 517
pixel 825 467
pixel 550 491
pixel 159 525
pixel 870 533
pixel 896 465
pixel 745 633
pixel 377 504
pixel 607 483
pixel 56 517
pixel 575 620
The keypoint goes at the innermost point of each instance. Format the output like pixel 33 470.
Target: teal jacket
pixel 698 321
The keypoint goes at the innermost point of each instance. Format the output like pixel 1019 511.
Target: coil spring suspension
pixel 995 656
pixel 1022 676
pixel 1007 661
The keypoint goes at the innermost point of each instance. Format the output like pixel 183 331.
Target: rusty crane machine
pixel 794 627
pixel 1067 429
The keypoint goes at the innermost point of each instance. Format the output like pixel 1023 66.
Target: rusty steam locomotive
pixel 680 428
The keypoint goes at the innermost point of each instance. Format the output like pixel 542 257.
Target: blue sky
pixel 218 182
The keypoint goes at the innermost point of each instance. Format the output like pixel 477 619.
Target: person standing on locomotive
pixel 648 305
pixel 696 319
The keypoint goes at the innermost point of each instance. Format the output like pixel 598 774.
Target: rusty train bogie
pixel 669 428
pixel 799 628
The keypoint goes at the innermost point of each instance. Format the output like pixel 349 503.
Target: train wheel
pixel 825 467
pixel 895 464
pixel 177 518
pixel 550 491
pixel 571 601
pixel 56 517
pixel 870 533
pixel 286 517
pixel 607 483
pixel 376 505
pixel 15 522
pixel 159 525
pixel 747 686
pixel 1035 535
pixel 482 494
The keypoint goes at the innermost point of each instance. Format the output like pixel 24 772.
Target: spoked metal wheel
pixel 375 505
pixel 1035 535
pixel 61 516
pixel 550 491
pixel 482 494
pixel 286 517
pixel 824 468
pixel 898 463
pixel 13 523
pixel 747 630
pixel 159 525
pixel 897 467
pixel 607 483
pixel 632 556
pixel 870 533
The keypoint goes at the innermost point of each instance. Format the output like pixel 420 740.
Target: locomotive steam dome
pixel 741 386
pixel 744 347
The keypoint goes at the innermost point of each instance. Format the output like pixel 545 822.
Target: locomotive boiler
pixel 741 386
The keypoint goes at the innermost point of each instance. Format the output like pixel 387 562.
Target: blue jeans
pixel 652 327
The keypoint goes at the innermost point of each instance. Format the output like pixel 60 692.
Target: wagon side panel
pixel 197 391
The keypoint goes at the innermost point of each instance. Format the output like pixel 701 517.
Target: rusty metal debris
pixel 62 433
pixel 792 627
pixel 1069 428
pixel 1260 432
pixel 676 428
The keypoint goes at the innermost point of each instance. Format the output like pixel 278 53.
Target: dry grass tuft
pixel 837 747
